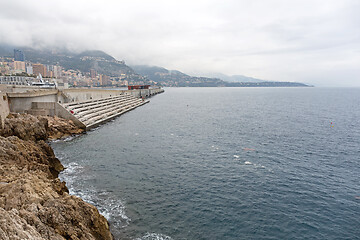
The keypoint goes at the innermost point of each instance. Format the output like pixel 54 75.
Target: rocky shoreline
pixel 34 202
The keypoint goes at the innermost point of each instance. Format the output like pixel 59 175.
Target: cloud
pixel 275 39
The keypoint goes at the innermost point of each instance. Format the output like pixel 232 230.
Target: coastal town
pixel 97 69
pixel 18 70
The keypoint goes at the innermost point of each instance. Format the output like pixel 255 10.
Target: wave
pixel 154 236
pixel 110 207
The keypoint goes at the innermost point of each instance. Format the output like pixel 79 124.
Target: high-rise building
pixel 19 65
pixel 39 69
pixel 104 80
pixel 19 55
pixel 57 71
pixel 29 70
pixel 93 73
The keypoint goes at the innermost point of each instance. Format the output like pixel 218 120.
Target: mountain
pixel 102 62
pixel 152 72
pixel 96 54
pixel 6 51
pixel 98 60
pixel 236 78
pixel 174 78
pixel 105 64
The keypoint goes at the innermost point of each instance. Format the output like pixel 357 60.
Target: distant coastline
pixel 98 69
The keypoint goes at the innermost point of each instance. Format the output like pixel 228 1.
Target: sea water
pixel 225 163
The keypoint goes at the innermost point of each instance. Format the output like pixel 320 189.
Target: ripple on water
pixel 112 209
pixel 242 164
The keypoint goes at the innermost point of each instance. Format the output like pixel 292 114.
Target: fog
pixel 315 42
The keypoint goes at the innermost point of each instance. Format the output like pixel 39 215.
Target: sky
pixel 309 41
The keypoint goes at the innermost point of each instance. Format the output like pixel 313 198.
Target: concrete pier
pixel 87 108
pixel 79 94
pixel 91 113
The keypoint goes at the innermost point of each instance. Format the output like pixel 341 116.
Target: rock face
pixel 34 203
pixel 29 127
pixel 60 128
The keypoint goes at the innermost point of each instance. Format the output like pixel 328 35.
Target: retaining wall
pixel 79 95
pixel 22 102
pixel 46 102
pixel 4 108
pixel 60 111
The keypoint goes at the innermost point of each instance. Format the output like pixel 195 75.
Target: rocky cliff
pixel 34 203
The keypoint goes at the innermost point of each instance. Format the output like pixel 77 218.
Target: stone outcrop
pixel 34 203
pixel 60 128
pixel 29 127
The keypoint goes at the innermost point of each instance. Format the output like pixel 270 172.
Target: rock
pixel 60 128
pixel 34 203
pixel 12 227
pixel 29 127
pixel 25 126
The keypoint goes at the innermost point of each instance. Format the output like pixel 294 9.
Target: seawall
pixel 96 105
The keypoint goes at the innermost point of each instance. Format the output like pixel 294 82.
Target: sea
pixel 225 163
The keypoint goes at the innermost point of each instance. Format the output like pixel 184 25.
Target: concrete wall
pixel 4 108
pixel 145 92
pixel 60 111
pixel 17 88
pixel 79 95
pixel 22 102
pixel 46 102
pixel 48 108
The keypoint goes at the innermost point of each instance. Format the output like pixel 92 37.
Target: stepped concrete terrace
pixel 87 108
pixel 95 112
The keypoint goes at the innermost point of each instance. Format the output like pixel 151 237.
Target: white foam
pixel 69 138
pixel 248 163
pixel 112 209
pixel 236 156
pixel 154 236
pixel 108 205
pixel 93 129
pixel 72 168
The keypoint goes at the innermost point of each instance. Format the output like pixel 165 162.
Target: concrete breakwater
pixel 91 113
pixel 34 203
pixel 87 108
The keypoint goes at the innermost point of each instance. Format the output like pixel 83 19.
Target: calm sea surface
pixel 225 163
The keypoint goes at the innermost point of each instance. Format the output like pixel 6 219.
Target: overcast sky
pixel 311 41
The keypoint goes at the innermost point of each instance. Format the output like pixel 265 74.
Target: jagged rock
pixel 34 203
pixel 29 127
pixel 25 126
pixel 14 227
pixel 60 128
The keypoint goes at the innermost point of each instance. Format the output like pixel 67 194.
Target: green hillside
pixel 98 60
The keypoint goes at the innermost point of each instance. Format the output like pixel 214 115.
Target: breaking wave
pixel 111 208
pixel 154 236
